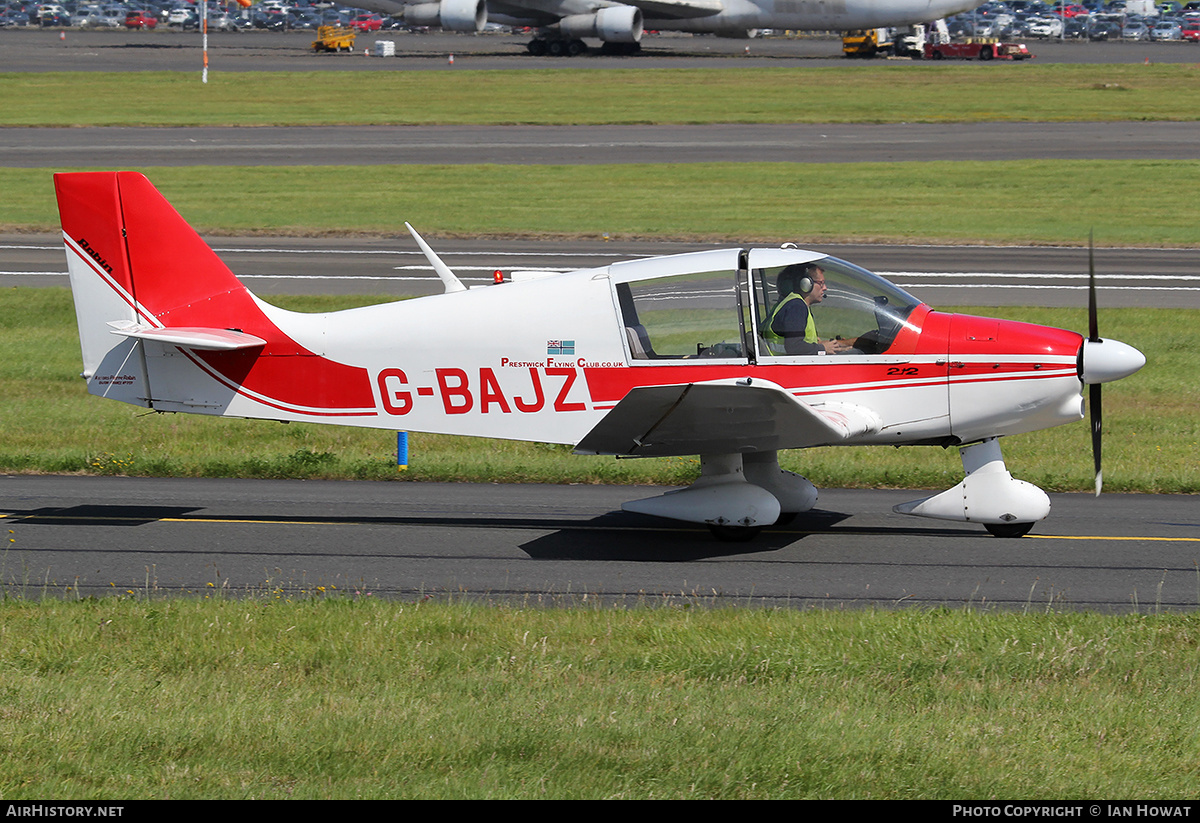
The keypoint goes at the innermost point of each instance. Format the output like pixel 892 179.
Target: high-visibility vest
pixel 810 328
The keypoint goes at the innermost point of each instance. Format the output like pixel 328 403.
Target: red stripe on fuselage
pixel 949 349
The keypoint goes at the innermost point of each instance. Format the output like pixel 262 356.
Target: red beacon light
pixel 497 277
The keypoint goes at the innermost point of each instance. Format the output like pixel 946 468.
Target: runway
pixel 555 545
pixel 589 145
pixel 943 276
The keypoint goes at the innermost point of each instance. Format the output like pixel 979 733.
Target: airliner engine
pixel 616 24
pixel 454 15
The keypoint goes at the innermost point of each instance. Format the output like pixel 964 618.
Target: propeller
pixel 1101 361
pixel 1094 408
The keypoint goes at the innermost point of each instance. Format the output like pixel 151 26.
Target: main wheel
pixel 1008 529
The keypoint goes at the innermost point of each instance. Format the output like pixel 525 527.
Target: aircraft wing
pixel 677 9
pixel 724 416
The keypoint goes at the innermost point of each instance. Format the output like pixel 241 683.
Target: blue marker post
pixel 401 451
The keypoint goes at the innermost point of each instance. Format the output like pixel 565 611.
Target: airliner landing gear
pixel 620 48
pixel 540 46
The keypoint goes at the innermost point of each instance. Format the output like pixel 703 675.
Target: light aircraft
pixel 563 24
pixel 660 356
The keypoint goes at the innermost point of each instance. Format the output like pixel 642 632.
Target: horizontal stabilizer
pixel 725 417
pixel 190 337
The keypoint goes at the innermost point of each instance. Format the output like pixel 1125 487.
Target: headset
pixel 802 275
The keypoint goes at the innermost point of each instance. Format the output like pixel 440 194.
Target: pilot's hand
pixel 840 346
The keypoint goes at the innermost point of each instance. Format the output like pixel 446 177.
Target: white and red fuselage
pixel 666 355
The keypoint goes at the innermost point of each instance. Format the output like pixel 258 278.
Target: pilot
pixel 799 288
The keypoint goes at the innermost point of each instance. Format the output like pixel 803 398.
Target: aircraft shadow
pixel 613 536
pixel 99 515
pixel 631 537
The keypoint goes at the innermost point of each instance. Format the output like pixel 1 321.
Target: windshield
pixel 827 306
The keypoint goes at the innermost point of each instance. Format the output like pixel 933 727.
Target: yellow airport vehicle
pixel 334 38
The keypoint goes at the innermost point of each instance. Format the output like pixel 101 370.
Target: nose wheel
pixel 988 495
pixel 1008 529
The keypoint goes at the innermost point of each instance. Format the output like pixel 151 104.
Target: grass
pixel 876 93
pixel 298 695
pixel 1027 202
pixel 52 425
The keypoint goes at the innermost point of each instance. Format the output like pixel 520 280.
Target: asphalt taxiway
pixel 563 545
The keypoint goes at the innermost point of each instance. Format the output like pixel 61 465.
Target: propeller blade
pixel 1093 322
pixel 1097 424
pixel 1094 389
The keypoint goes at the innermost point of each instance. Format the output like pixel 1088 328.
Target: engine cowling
pixel 616 24
pixel 452 15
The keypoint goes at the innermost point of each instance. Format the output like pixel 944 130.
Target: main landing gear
pixel 561 47
pixel 736 496
pixel 540 46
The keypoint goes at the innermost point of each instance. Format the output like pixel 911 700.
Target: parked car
pixel 140 20
pixel 1135 30
pixel 1069 10
pixel 85 16
pixel 1077 28
pixel 184 18
pixel 1046 27
pixel 302 20
pixel 1190 31
pixel 269 21
pixel 13 19
pixel 1105 30
pixel 108 17
pixel 222 22
pixel 366 22
pixel 1166 30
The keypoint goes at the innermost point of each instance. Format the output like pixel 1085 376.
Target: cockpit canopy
pixel 720 304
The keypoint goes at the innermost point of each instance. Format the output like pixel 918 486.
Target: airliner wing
pixel 678 9
pixel 726 416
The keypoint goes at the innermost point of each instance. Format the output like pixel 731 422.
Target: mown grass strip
pixel 878 93
pixel 309 692
pixel 1130 202
pixel 1152 433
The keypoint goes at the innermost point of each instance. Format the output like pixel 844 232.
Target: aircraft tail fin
pixel 137 267
pixel 164 323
